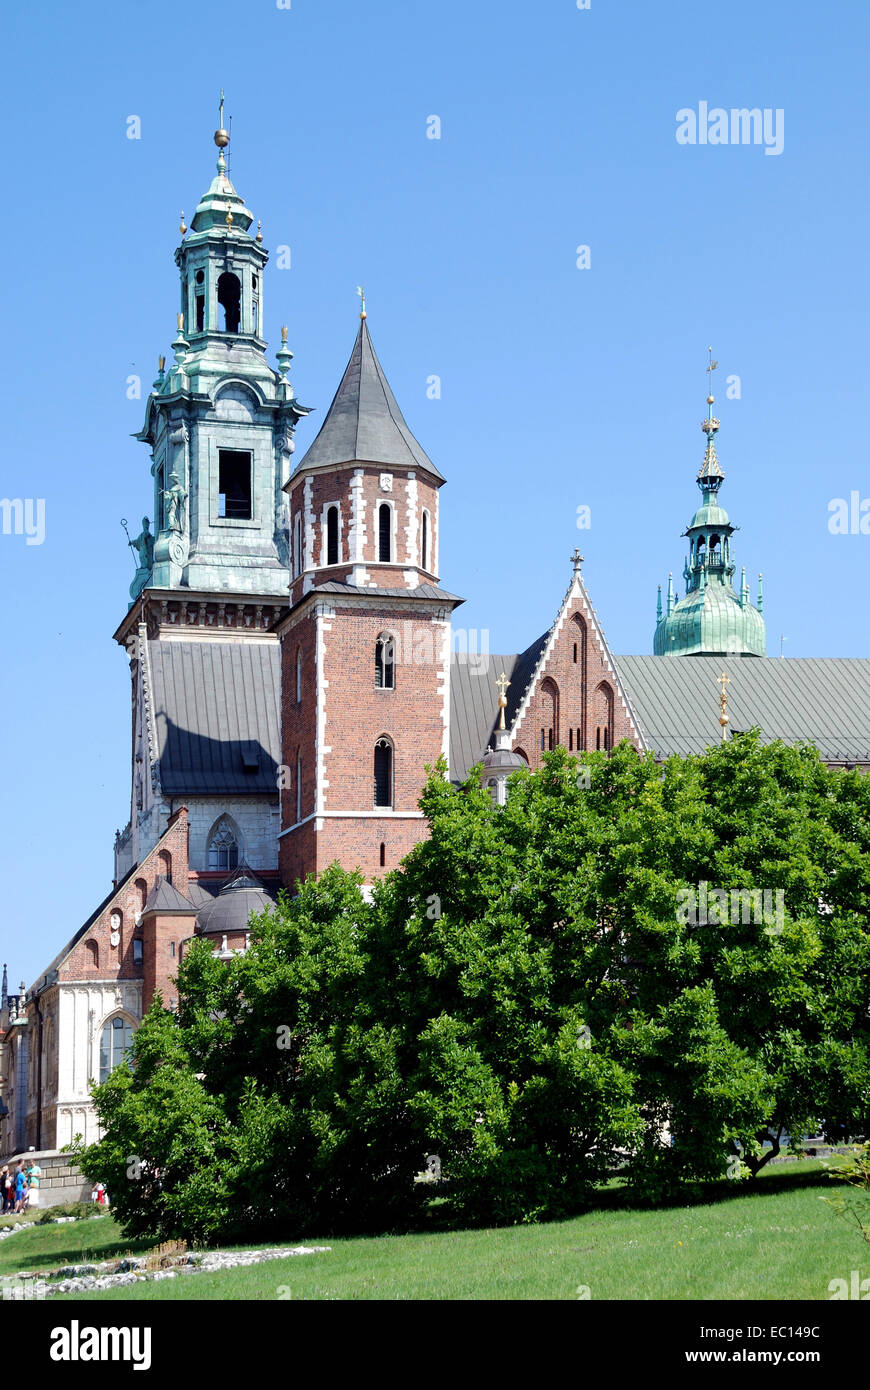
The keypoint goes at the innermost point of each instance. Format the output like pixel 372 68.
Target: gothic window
pixel 93 955
pixel 234 484
pixel 332 536
pixel 385 663
pixel 550 711
pixel 200 300
pixel 115 1043
pixel 603 714
pixel 298 675
pixel 223 848
pixel 298 787
pixel 570 740
pixel 424 545
pixel 230 301
pixel 385 533
pixel 142 889
pixel 164 865
pixel 383 772
pixel 137 950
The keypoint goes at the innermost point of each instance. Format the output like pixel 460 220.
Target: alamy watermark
pixel 706 906
pixel 23 517
pixel 739 126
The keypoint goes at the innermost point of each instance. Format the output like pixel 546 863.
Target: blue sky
pixel 561 387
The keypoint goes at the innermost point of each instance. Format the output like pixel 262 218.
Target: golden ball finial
pixel 183 227
pixel 259 236
pixel 284 333
pixel 710 400
pixel 222 138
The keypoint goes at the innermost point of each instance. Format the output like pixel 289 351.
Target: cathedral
pixel 292 670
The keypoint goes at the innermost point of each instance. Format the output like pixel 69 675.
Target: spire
pixel 221 206
pixel 670 593
pixel 710 474
pixel 760 596
pixel 711 617
pixel 364 422
pixel 659 606
pixel 4 992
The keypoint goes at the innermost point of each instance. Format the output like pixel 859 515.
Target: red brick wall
pixel 572 693
pixel 358 714
pixel 116 962
pixel 162 930
pixel 335 487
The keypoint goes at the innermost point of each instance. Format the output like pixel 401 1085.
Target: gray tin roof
pixel 823 700
pixel 164 897
pixel 216 711
pixel 364 422
pixel 474 700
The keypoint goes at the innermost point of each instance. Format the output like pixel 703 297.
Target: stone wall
pixel 61 1180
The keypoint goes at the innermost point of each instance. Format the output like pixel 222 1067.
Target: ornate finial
pixel 179 320
pixel 284 332
pixel 229 219
pixel 576 560
pixel 284 355
pixel 724 681
pixel 362 294
pixel 259 237
pixel 503 684
pixel 221 136
pixel 183 227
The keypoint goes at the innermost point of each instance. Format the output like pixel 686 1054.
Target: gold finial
pixel 183 227
pixel 362 294
pixel 259 236
pixel 221 136
pixel 179 319
pixel 502 684
pixel 230 218
pixel 284 331
pixel 724 681
pixel 161 364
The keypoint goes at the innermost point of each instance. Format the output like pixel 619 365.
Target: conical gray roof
pixel 364 422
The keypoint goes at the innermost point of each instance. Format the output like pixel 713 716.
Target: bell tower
pixel 213 560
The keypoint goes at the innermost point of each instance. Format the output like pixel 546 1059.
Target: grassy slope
pixel 779 1242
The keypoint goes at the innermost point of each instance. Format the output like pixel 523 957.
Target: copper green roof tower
pixel 711 619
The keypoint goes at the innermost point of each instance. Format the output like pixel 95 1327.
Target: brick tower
pixel 365 647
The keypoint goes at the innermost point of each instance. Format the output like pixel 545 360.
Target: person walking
pixel 5 1190
pixel 20 1188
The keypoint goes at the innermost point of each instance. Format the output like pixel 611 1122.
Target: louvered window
pixel 384 533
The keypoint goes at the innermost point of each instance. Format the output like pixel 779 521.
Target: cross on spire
pixel 724 681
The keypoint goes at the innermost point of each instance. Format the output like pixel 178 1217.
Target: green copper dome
pixel 711 619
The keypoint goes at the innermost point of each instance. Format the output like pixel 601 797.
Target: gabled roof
pixel 216 715
pixel 364 422
pixel 820 700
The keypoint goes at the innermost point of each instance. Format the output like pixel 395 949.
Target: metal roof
pixel 822 700
pixel 338 586
pixel 216 712
pixel 474 700
pixel 164 897
pixel 364 422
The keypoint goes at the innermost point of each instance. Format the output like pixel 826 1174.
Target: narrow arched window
pixel 424 543
pixel 383 772
pixel 385 530
pixel 575 653
pixel 332 536
pixel 383 855
pixel 223 849
pixel 298 787
pixel 142 890
pixel 297 545
pixel 93 955
pixel 385 663
pixel 164 865
pixel 298 675
pixel 229 293
pixel 570 740
pixel 115 1041
pixel 598 737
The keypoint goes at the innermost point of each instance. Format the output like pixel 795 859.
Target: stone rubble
pixel 84 1278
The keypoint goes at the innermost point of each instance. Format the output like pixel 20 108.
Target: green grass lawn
pixel 778 1242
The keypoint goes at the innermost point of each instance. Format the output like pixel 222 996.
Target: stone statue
pixel 144 548
pixel 174 498
pixel 144 545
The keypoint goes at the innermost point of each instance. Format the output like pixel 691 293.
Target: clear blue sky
pixel 560 387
